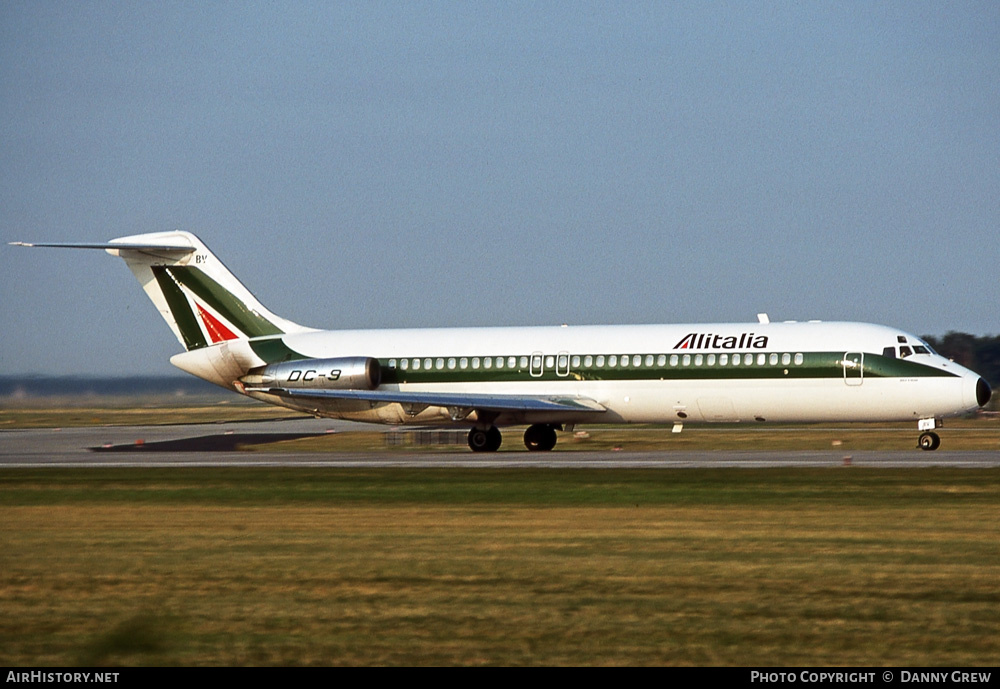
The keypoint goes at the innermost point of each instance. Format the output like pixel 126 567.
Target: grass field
pixel 329 567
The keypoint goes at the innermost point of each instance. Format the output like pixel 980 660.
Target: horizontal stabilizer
pixel 111 246
pixel 450 399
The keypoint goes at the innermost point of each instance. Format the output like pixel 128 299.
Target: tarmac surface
pixel 217 445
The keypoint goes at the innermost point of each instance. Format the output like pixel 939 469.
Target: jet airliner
pixel 548 378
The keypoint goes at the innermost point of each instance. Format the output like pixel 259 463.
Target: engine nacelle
pixel 345 373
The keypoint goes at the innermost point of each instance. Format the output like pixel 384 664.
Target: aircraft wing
pixel 500 403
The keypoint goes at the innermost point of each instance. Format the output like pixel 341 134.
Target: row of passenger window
pixel 563 362
pixel 462 363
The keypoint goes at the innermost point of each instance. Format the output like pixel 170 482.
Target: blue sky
pixel 371 165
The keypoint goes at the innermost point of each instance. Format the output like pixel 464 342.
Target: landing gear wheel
pixel 485 441
pixel 540 437
pixel 929 441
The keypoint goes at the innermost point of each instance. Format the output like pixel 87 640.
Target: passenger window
pixel 637 360
pixel 723 359
pixel 475 362
pixel 588 361
pixel 761 359
pixel 613 360
pixel 600 361
pixel 698 359
pixel 773 359
pixel 404 364
pixel 786 359
pixel 798 359
pixel 673 359
pixel 549 362
pixel 686 360
pixel 439 364
pixel 661 360
pixel 576 362
pixel 748 359
pixel 523 362
pixel 392 363
pixel 488 362
pixel 710 360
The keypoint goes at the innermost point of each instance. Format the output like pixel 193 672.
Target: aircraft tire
pixel 494 439
pixel 485 440
pixel 540 438
pixel 929 441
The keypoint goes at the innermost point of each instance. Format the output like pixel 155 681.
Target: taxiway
pixel 225 444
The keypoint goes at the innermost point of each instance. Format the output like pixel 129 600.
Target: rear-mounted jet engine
pixel 344 373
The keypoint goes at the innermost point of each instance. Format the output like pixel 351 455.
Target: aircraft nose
pixel 983 392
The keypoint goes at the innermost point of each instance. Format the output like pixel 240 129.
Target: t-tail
pixel 209 311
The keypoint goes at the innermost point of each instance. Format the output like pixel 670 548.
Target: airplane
pixel 548 378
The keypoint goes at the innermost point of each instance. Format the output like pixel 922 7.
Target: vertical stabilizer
pixel 199 298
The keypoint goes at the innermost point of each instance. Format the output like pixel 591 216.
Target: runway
pixel 220 445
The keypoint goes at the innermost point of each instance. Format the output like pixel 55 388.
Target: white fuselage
pixel 775 372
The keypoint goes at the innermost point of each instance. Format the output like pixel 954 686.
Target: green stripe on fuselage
pixel 273 350
pixel 828 365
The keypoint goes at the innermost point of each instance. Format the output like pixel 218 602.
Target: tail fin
pixel 201 301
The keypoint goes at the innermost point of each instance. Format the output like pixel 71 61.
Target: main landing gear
pixel 485 440
pixel 538 438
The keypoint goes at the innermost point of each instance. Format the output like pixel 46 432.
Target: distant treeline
pixel 47 386
pixel 981 354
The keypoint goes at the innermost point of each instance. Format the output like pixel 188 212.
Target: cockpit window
pixel 905 352
pixel 889 352
pixel 917 349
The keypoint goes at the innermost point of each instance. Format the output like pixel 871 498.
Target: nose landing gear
pixel 929 441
